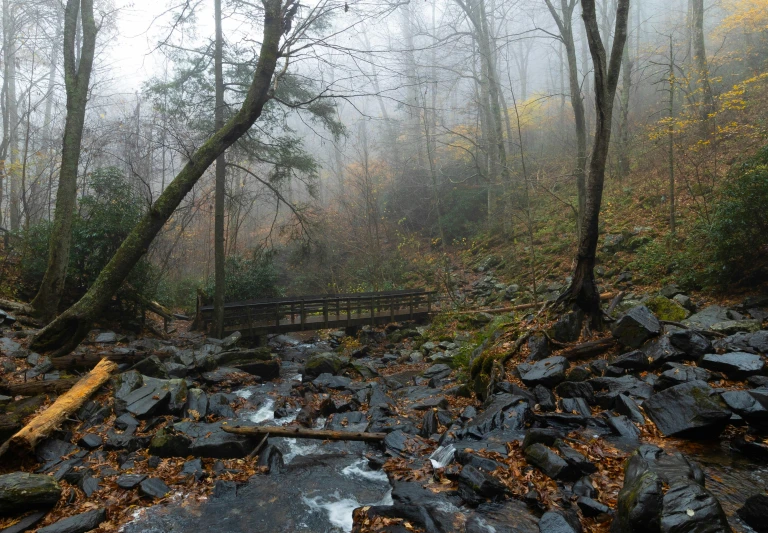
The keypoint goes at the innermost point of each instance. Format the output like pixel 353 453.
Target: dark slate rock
pixel 130 481
pixel 494 416
pixel 575 459
pixel 511 516
pixel 634 360
pixel 226 375
pixel 77 524
pixel 735 365
pixel 568 327
pixel 437 402
pixel 640 499
pixel 759 341
pixel 548 372
pixel 576 389
pixel 628 407
pixel 578 373
pixel 660 351
pixel 608 388
pixel 738 342
pixel 124 441
pixel 747 407
pixel 272 458
pixel 550 463
pixel 676 374
pixel 219 405
pixel 544 398
pixel 707 317
pixel 323 363
pixel 583 487
pixel 21 491
pixel 438 371
pixel 754 512
pixel 690 410
pixel 559 522
pixel 753 449
pixel 689 507
pixel 351 421
pixel 224 489
pixel 475 486
pixel 591 508
pixel 89 485
pixel 623 427
pixel 541 436
pixel 197 404
pixel 52 451
pixel 154 488
pixel 209 440
pixel 429 424
pixel 577 406
pixel 193 468
pixel 636 326
pixel 690 342
pixel 125 421
pixel 538 347
pixel 464 457
pixel 266 370
pixel 329 381
pixel 90 441
pixel 152 367
pixel 147 400
pixel 25 524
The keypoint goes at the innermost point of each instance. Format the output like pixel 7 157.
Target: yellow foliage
pixel 749 16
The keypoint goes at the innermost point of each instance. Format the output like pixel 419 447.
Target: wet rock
pixel 578 373
pixel 689 410
pixel 729 327
pixel 475 486
pixel 323 363
pixel 754 511
pixel 676 374
pixel 266 370
pixel 495 416
pixel 170 443
pixel 438 402
pixel 550 463
pixel 544 398
pixel 153 488
pixel 568 327
pixel 754 449
pixel 541 436
pixel 197 404
pixel 193 469
pixel 747 407
pixel 21 491
pixel 429 424
pixel 148 400
pixel 126 421
pixel 577 406
pixel 224 489
pixel 690 342
pixel 226 375
pixel 77 524
pixel 538 347
pixel 759 341
pixel 736 365
pixel 559 522
pixel 575 459
pixel 130 481
pixel 548 372
pixel 623 427
pixel 106 337
pixel 583 487
pixel 661 351
pixel 329 381
pixel 219 405
pixel 511 516
pixel 608 388
pixel 396 443
pixel 635 360
pixel 125 384
pixel 438 371
pixel 27 523
pixel 354 421
pixel 689 507
pixel 591 508
pixel 627 406
pixel 272 458
pixel 209 440
pixel 580 389
pixel 124 441
pixel 90 441
pixel 707 316
pixel 152 367
pixel 636 326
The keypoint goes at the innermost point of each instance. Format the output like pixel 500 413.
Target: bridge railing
pixel 320 312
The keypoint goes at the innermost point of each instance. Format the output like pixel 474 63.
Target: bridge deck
pixel 255 318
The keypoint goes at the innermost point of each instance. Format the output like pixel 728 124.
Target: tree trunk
pixel 700 57
pixel 12 110
pixel 583 290
pixel 218 230
pixel 76 80
pixel 66 331
pixel 626 87
pixel 303 433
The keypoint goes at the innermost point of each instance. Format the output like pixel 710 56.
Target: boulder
pixel 667 309
pixel 661 351
pixel 729 327
pixel 323 363
pixel 559 522
pixel 79 523
pixel 689 410
pixel 707 316
pixel 266 370
pixel 209 440
pixel 511 516
pixel 690 342
pixel 329 381
pixel 548 372
pixel 576 389
pixel 747 407
pixel 550 463
pixel 634 360
pixel 151 399
pixel 225 375
pixel 153 488
pixel 689 507
pixel 735 365
pixel 152 367
pixel 475 486
pixel 21 491
pixel 568 327
pixel 675 374
pixel 636 326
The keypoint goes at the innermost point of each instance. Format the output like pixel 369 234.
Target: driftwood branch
pixel 304 433
pixel 66 405
pixel 588 349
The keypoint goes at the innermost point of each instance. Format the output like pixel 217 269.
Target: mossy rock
pixel 169 443
pixel 22 491
pixel 324 363
pixel 480 373
pixel 666 309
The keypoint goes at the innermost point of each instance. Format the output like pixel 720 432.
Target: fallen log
pixel 89 360
pixel 303 433
pixel 65 406
pixel 604 296
pixel 588 349
pixel 33 388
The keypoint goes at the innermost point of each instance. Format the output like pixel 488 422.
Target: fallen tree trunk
pixel 33 388
pixel 304 433
pixel 604 296
pixel 89 360
pixel 65 406
pixel 588 349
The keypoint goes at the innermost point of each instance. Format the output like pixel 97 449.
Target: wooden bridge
pixel 256 318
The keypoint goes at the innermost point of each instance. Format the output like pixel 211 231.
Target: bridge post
pixel 392 308
pixel 429 303
pixel 293 310
pixel 410 305
pixel 373 321
pixel 303 315
pixel 325 312
pixel 277 316
pixel 349 312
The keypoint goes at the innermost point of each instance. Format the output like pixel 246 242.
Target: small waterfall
pixel 442 456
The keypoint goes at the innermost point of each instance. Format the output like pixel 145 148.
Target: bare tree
pixel 583 290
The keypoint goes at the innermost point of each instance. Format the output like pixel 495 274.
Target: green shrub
pixel 248 278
